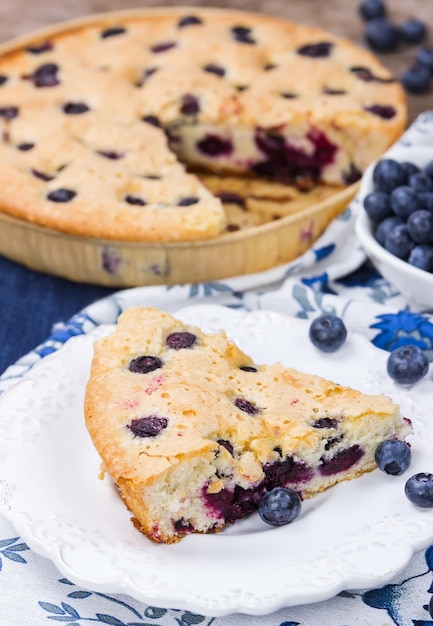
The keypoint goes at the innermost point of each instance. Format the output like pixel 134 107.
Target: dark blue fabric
pixel 31 302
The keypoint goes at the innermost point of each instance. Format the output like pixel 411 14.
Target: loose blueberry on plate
pixel 393 456
pixel 419 490
pixel 407 364
pixel 328 332
pixel 280 506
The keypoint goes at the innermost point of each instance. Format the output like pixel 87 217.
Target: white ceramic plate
pixel 357 535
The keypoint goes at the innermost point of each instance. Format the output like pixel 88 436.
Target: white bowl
pixel 415 285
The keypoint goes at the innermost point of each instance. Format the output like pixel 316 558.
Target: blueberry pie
pixel 114 127
pixel 193 432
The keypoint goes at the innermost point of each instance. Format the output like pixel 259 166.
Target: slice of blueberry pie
pixel 99 121
pixel 193 432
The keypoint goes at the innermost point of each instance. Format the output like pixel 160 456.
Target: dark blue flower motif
pixel 9 549
pixel 324 251
pixel 404 328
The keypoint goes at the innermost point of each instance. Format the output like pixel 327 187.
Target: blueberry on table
pixel 377 206
pixel 372 9
pixel 388 174
pixel 407 364
pixel 280 506
pixel 328 333
pixel 382 35
pixel 410 168
pixel 419 490
pixel 393 456
pixel 416 79
pixel 424 56
pixel 413 31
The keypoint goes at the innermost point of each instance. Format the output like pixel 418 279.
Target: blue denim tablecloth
pixel 39 313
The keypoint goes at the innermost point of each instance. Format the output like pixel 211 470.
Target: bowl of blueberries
pixel 395 222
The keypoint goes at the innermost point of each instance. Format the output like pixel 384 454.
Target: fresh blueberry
pixel 145 364
pixel 26 146
pixel 382 35
pixel 180 340
pixel 426 200
pixel 399 242
pixel 385 227
pixel 416 79
pixel 419 490
pixel 393 456
pixel 404 201
pixel 377 206
pixel 372 9
pixel 413 31
pixel 422 257
pixel 3 79
pixel 430 606
pixel 149 426
pixel 410 168
pixel 429 169
pixel 328 332
pixel 407 364
pixel 388 174
pixel 421 182
pixel 420 226
pixel 425 57
pixel 280 506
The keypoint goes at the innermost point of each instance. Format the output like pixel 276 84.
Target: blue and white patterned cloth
pixel 333 276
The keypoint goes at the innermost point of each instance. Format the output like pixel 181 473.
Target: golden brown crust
pixel 125 77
